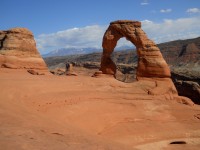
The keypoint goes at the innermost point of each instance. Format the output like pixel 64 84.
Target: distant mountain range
pixel 78 51
pixel 179 53
pixel 70 51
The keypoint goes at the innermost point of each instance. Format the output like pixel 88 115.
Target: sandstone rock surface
pixel 83 113
pixel 18 50
pixel 34 72
pixel 150 63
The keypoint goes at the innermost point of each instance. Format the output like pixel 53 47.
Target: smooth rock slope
pixel 84 113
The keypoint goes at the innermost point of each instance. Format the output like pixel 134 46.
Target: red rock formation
pixel 150 63
pixel 152 68
pixel 182 53
pixel 18 50
pixel 69 70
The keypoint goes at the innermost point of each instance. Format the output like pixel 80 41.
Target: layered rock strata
pixel 18 50
pixel 150 63
pixel 152 69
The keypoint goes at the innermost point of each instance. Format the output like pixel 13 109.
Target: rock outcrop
pixel 18 50
pixel 187 83
pixel 150 60
pixel 182 53
pixel 69 70
pixel 151 69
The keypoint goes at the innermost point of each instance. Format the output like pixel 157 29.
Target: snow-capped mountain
pixel 71 51
pixel 76 51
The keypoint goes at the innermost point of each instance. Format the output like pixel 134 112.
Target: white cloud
pixel 193 10
pixel 91 36
pixel 169 30
pixel 145 2
pixel 166 10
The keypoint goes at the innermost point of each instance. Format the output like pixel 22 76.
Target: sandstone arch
pixel 150 60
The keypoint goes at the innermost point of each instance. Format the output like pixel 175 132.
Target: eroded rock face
pixel 187 83
pixel 18 50
pixel 151 68
pixel 150 63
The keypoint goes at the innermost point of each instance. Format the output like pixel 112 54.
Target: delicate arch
pixel 150 60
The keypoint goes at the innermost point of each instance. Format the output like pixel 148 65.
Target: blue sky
pixel 81 23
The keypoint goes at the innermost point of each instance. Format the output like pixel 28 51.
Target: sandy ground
pixel 47 112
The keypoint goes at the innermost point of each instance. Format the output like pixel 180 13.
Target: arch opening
pixel 125 58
